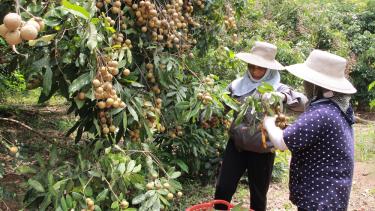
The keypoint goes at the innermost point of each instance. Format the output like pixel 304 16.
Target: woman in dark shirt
pixel 244 151
pixel 321 139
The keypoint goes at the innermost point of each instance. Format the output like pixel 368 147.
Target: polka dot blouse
pixel 321 171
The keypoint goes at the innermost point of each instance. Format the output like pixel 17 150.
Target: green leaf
pixel 183 105
pixel 121 168
pixel 114 205
pixel 130 166
pixel 69 201
pixel 102 195
pixel 124 120
pixel 110 29
pixel 36 185
pixel 95 173
pixel 229 102
pixel 93 37
pixel 63 204
pixel 265 87
pixel 47 80
pixel 79 82
pixel 129 56
pixel 175 175
pixel 58 184
pixel 371 86
pixel 136 84
pixel 183 166
pixel 25 170
pixel 133 113
pixel 138 199
pixel 137 168
pixel 76 9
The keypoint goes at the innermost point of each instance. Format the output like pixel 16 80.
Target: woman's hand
pixel 275 134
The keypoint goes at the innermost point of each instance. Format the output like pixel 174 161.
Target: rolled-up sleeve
pixel 295 101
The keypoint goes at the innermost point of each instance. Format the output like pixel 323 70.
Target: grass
pixel 30 97
pixel 364 142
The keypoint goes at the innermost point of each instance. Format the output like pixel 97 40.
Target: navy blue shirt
pixel 322 146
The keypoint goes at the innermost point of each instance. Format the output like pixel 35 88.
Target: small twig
pixel 46 138
pixel 110 188
pixel 27 11
pixel 17 6
pixel 7 208
pixel 84 188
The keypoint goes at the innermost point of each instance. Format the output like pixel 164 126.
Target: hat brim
pixel 259 61
pixel 337 85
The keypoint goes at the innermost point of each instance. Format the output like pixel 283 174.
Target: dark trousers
pixel 259 171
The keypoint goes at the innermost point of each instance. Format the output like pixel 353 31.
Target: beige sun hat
pixel 325 70
pixel 263 55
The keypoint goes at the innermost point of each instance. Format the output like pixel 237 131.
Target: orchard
pixel 144 83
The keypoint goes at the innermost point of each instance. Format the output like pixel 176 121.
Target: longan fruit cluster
pixel 229 20
pixel 106 123
pixel 15 30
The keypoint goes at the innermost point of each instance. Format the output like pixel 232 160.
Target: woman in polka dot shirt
pixel 321 139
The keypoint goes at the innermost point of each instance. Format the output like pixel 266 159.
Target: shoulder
pixel 322 108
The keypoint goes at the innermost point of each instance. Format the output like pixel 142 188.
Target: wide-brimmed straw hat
pixel 263 55
pixel 325 70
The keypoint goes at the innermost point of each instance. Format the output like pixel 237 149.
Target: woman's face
pixel 256 72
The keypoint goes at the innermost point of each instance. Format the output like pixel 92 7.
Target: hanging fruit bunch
pixel 105 93
pixel 15 30
pixel 166 24
pixel 205 95
pixel 229 20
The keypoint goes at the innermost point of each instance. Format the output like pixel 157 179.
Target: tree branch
pixel 46 138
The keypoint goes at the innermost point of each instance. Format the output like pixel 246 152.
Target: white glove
pixel 274 133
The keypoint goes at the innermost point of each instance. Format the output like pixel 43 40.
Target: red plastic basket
pixel 209 205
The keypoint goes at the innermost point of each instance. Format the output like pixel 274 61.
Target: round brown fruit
pixel 105 130
pixel 117 4
pixel 13 38
pixel 112 128
pixel 99 4
pixel 13 150
pixel 89 202
pixel 109 102
pixel 126 72
pixel 3 30
pixel 81 96
pixel 150 185
pixel 96 83
pixel 33 23
pixel 113 64
pixel 115 10
pixel 12 21
pixel 144 29
pixel 29 32
pixel 116 104
pixel 149 66
pixel 166 185
pixel 101 104
pixel 124 204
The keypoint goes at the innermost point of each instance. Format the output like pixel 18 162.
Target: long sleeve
pixel 295 101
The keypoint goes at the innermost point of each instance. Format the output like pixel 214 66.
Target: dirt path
pixel 362 197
